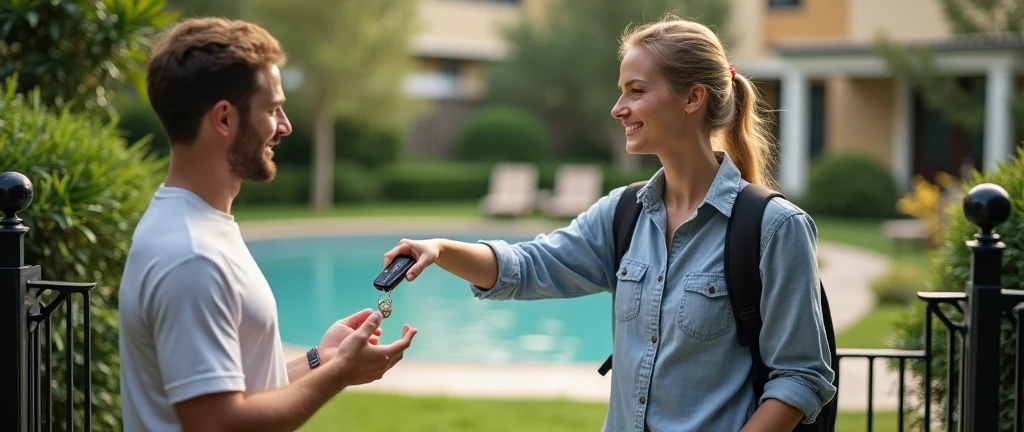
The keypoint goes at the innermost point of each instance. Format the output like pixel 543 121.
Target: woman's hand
pixel 425 252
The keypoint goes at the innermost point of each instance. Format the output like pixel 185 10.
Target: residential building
pixel 814 62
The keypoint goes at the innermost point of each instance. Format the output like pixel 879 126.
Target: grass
pixel 872 330
pixel 867 234
pixel 372 412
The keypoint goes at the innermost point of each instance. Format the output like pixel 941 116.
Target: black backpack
pixel 742 251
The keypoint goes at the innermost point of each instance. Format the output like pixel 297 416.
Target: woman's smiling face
pixel 650 111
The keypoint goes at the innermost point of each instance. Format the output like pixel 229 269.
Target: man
pixel 200 348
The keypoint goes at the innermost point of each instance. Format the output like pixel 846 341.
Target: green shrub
pixel 77 52
pixel 91 188
pixel 138 121
pixel 851 185
pixel 366 147
pixel 950 270
pixel 354 183
pixel 501 133
pixel 289 187
pixel 435 180
pixel 900 284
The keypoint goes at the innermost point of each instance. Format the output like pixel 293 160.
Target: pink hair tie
pixel 732 70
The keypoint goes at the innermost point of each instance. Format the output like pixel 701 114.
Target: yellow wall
pixel 745 21
pixel 860 116
pixel 813 19
pixel 899 19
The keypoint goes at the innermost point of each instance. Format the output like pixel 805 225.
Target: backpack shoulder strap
pixel 627 211
pixel 742 271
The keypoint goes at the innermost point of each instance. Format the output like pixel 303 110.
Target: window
pixel 817 123
pixel 783 4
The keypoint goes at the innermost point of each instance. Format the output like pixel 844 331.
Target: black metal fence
pixel 974 384
pixel 972 361
pixel 28 304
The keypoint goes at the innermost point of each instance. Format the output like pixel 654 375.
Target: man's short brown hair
pixel 202 61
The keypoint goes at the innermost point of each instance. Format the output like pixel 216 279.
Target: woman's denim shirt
pixel 677 363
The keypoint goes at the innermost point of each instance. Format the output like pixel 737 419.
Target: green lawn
pixel 866 233
pixel 370 412
pixel 871 331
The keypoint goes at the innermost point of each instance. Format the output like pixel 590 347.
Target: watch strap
pixel 313 357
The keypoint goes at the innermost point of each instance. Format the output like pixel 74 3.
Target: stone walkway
pixel 845 273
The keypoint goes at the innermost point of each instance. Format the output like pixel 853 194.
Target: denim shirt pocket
pixel 705 312
pixel 628 289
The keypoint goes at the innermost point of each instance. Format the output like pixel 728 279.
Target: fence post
pixel 986 205
pixel 15 195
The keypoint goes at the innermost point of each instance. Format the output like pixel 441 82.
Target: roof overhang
pixel 960 55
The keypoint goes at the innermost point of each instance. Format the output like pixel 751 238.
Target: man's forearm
pixel 283 409
pixel 473 262
pixel 298 368
pixel 774 416
pixel 288 408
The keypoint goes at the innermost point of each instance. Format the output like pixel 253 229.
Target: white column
pixel 902 150
pixel 998 125
pixel 793 133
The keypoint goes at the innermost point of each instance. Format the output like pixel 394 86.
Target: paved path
pixel 846 272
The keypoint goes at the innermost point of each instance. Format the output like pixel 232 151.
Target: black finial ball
pixel 15 193
pixel 987 205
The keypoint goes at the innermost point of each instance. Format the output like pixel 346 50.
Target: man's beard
pixel 247 158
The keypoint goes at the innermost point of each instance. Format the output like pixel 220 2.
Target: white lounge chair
pixel 512 191
pixel 576 188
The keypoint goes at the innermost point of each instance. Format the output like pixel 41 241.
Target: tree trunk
pixel 323 160
pixel 624 162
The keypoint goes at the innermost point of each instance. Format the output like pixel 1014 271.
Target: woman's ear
pixel 694 98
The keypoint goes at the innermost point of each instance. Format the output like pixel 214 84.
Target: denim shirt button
pixel 623 271
pixel 660 277
pixel 711 289
pixel 654 339
pixel 643 400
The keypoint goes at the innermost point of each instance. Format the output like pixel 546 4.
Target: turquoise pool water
pixel 319 280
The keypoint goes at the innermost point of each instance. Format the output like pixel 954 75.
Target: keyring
pixel 384 304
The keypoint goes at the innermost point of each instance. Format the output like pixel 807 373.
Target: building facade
pixel 814 62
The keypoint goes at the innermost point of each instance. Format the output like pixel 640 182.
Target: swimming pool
pixel 319 280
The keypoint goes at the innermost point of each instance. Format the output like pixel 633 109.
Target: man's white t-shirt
pixel 197 315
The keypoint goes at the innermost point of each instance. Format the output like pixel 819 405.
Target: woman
pixel 678 365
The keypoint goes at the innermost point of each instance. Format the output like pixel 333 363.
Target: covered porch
pixel 842 97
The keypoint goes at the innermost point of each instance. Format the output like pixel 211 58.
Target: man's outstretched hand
pixel 360 362
pixel 341 329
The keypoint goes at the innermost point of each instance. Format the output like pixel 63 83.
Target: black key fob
pixel 391 276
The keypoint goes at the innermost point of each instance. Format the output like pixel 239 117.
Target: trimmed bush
pixel 502 133
pixel 366 147
pixel 900 284
pixel 354 184
pixel 435 180
pixel 138 121
pixel 91 188
pixel 851 185
pixel 289 187
pixel 950 270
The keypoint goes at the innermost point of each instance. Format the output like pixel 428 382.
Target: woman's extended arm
pixel 569 262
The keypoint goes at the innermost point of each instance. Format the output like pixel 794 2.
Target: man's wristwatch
pixel 313 357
